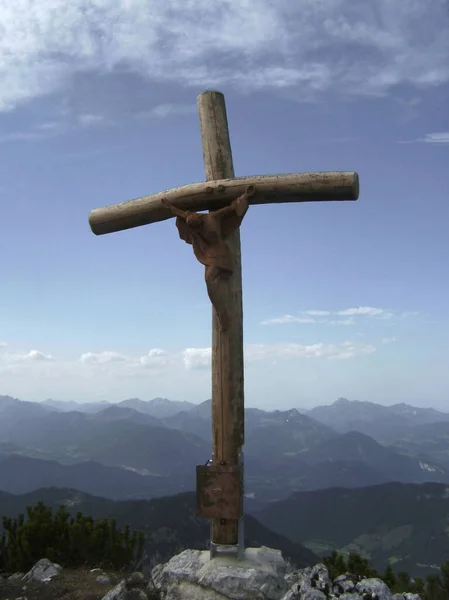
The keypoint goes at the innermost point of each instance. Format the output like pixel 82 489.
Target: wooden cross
pixel 219 485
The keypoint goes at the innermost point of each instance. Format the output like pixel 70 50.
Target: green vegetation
pixel 170 524
pixel 79 541
pixel 404 523
pixel 69 541
pixel 436 587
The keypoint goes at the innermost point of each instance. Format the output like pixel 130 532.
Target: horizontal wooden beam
pixel 210 195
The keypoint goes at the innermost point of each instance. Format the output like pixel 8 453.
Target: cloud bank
pixel 363 48
pixel 158 361
pixel 346 316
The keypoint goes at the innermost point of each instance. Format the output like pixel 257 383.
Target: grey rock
pixel 320 575
pixel 135 594
pixel 344 583
pixel 157 577
pixel 192 575
pixel 123 591
pixel 307 592
pixel 135 578
pixel 15 577
pixel 104 579
pixel 117 593
pixel 292 594
pixel 44 570
pixel 238 583
pixel 376 587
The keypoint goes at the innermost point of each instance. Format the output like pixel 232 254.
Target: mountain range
pixel 157 407
pixel 384 423
pixel 352 476
pixel 285 451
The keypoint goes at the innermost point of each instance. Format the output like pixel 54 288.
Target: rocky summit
pixel 262 575
pixel 192 575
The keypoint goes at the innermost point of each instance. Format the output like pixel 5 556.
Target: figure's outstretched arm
pixel 176 211
pixel 227 210
pixel 235 206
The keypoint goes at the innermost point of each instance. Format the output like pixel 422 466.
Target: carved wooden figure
pixel 207 234
pixel 215 238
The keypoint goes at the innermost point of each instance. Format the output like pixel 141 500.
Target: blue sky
pixel 98 106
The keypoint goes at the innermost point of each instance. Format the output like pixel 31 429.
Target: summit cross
pixel 215 238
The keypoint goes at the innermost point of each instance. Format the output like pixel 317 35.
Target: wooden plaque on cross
pixel 215 238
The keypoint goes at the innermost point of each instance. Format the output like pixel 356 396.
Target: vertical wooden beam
pixel 227 346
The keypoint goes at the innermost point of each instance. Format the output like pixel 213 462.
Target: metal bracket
pixel 218 491
pixel 218 509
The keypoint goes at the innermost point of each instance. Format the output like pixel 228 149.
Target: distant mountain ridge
pixel 383 423
pixel 405 523
pixel 157 407
pixel 70 405
pixel 285 451
pixel 430 440
pixel 22 474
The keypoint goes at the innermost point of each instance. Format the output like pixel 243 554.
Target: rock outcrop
pixel 191 575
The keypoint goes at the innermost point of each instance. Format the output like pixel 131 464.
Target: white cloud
pixel 90 119
pixel 197 358
pixel 161 111
pixel 389 340
pixel 102 358
pixel 436 138
pixel 342 322
pixel 288 319
pixel 36 355
pixel 321 317
pixel 200 358
pixel 32 356
pixel 365 311
pixel 22 136
pixel 51 129
pixel 175 374
pixel 158 361
pixel 155 358
pixel 340 45
pixel 255 352
pixel 431 138
pixel 307 320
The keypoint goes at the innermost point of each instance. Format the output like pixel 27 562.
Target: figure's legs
pixel 213 276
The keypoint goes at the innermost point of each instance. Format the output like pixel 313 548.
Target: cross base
pixel 238 550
